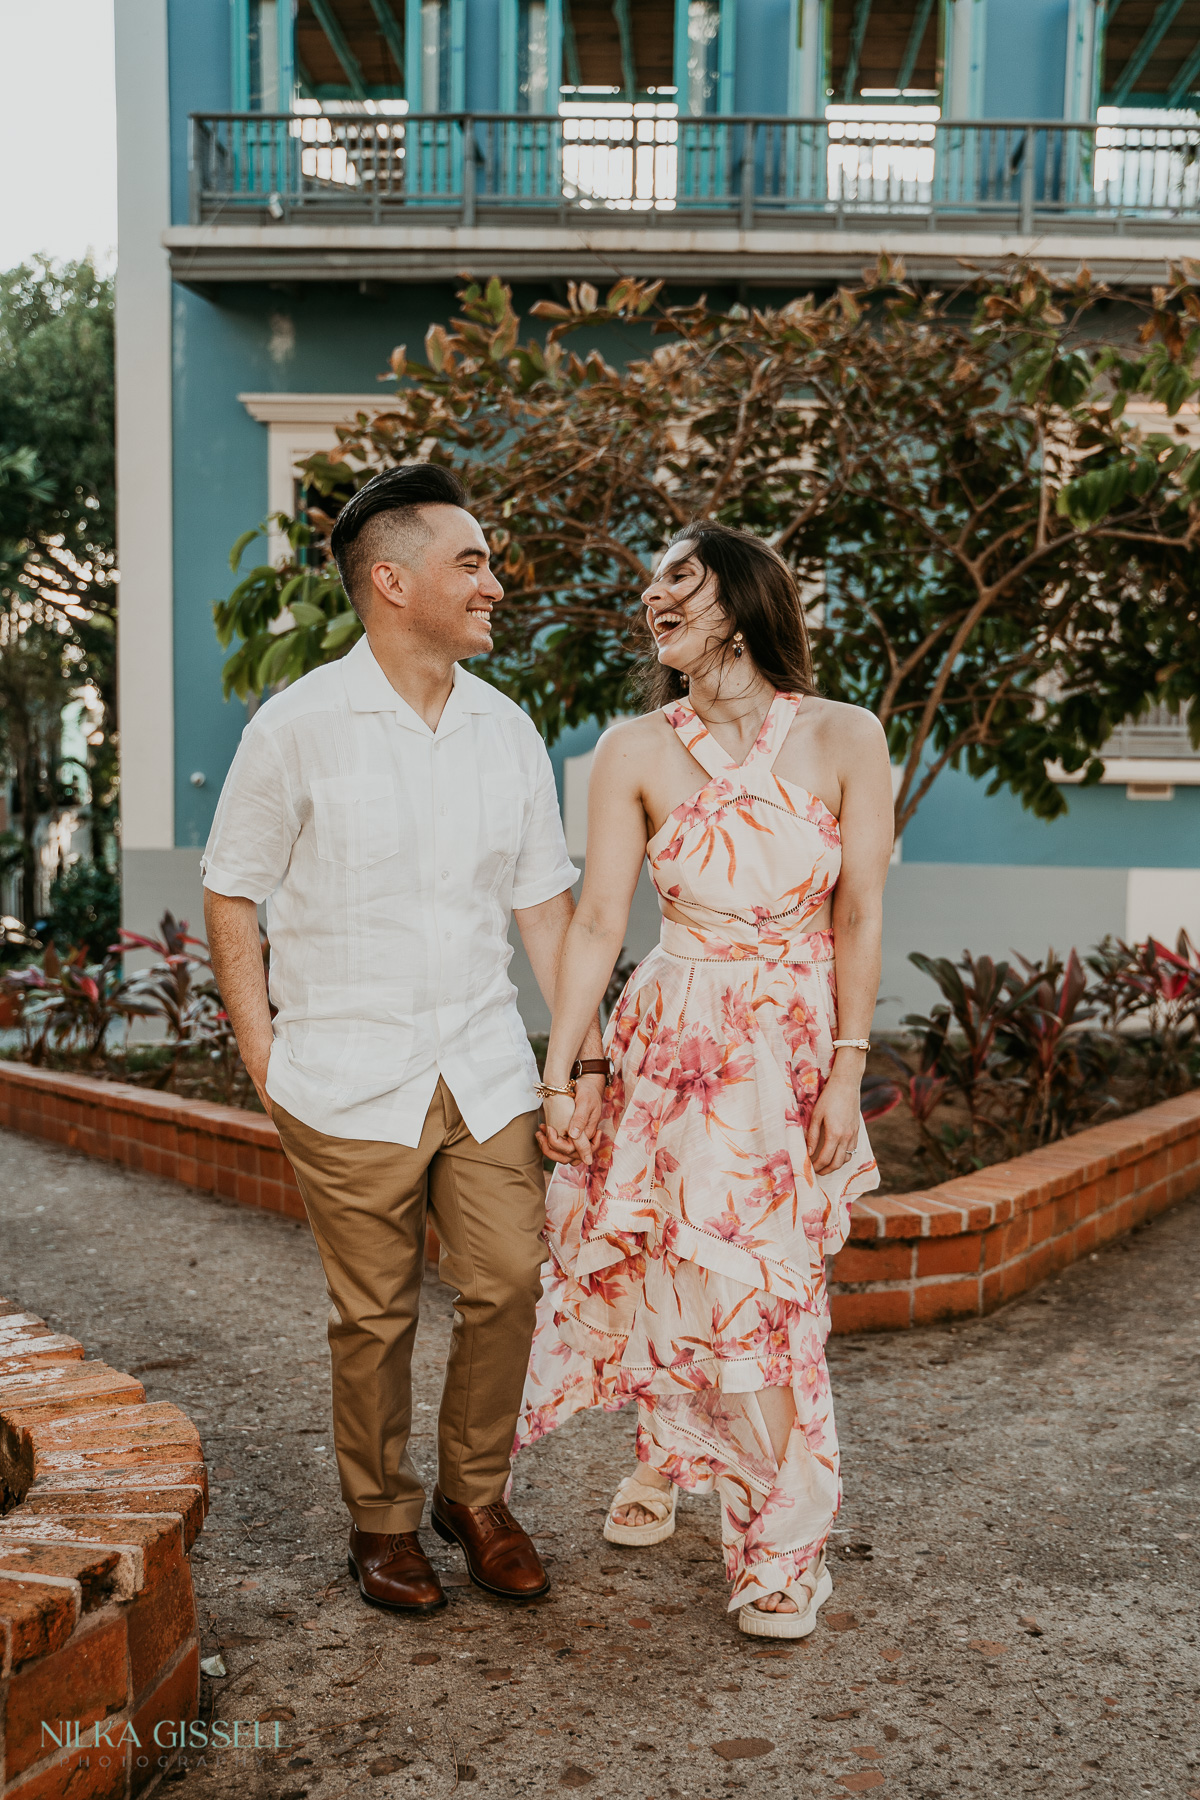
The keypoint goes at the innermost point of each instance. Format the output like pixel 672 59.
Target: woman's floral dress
pixel 687 1264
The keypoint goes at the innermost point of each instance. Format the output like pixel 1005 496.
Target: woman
pixel 687 1250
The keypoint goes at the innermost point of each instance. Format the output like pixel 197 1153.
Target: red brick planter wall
pixel 97 1617
pixel 967 1246
pixel 218 1148
pixel 961 1248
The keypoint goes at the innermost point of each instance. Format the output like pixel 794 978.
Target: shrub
pixel 67 1004
pixel 1033 1050
pixel 85 909
pixel 180 989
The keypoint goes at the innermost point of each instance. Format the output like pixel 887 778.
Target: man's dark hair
pixel 382 523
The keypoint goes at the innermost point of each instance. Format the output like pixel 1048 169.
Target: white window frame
pixel 298 426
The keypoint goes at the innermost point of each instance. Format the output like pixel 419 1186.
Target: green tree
pixel 57 398
pixel 994 547
pixel 85 908
pixel 38 673
pixel 57 490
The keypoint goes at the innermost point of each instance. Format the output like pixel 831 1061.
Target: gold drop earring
pixel 738 643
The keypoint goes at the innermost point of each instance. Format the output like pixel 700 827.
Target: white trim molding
pixel 298 425
pixel 1176 771
pixel 312 409
pixel 145 633
pixel 233 252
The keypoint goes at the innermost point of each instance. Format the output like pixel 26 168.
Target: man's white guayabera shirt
pixel 389 857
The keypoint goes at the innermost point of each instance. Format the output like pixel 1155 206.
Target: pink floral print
pixel 686 1265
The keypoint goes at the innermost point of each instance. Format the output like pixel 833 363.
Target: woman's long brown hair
pixel 760 598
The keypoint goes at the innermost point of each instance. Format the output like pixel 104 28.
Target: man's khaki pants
pixel 366 1203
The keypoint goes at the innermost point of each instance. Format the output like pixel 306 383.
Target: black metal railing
pixel 1023 175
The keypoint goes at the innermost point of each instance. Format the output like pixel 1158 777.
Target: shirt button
pixel 446 935
pixel 445 874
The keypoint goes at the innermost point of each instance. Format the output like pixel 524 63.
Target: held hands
pixel 569 1126
pixel 833 1129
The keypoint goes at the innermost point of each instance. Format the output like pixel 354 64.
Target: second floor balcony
pixel 298 178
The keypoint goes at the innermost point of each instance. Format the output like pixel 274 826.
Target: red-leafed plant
pixel 69 1004
pixel 181 990
pixel 1018 1045
pixel 1151 995
pixel 962 1038
pixel 1051 1062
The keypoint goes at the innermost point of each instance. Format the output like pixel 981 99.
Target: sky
pixel 58 130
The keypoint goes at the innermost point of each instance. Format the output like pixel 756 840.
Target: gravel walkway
pixel 1016 1599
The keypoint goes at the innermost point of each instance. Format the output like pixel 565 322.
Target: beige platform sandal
pixel 756 1623
pixel 659 1502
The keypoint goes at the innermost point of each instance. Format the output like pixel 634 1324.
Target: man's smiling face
pixel 448 590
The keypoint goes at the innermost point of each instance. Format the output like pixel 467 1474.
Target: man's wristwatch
pixel 592 1065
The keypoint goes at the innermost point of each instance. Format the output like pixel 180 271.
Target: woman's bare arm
pixel 865 773
pixel 615 848
pixel 543 932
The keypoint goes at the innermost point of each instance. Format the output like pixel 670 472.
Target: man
pixel 390 809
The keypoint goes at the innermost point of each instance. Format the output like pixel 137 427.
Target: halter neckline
pixel 700 743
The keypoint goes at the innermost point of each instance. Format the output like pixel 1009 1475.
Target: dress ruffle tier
pixel 690 1256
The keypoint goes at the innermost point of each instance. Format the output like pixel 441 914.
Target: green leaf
pixel 239 548
pixel 346 626
pixel 305 613
pixel 1093 496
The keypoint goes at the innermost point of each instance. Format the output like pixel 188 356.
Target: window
pixel 533 58
pixel 264 57
pixel 703 56
pixel 435 52
pixel 435 56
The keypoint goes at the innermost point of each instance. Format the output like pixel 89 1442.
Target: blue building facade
pixel 302 182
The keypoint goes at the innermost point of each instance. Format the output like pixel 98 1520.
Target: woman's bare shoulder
pixel 845 727
pixel 628 748
pixel 644 735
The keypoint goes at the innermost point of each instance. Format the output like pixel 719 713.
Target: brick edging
pixel 958 1249
pixel 967 1246
pixel 98 1636
pixel 219 1149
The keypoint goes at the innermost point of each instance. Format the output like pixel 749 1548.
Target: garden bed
pixel 1012 1057
pixel 157 1068
pixel 966 1246
pixel 954 1249
pixel 907 1159
pixel 901 1148
pixel 221 1149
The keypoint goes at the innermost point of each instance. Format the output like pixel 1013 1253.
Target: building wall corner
pixel 143 384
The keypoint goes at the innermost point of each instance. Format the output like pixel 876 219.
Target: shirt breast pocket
pixel 356 820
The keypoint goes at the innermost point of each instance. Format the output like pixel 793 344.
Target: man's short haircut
pixel 382 522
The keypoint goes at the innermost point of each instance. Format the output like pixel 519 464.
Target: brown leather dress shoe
pixel 393 1571
pixel 500 1555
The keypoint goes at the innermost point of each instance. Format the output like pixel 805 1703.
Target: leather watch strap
pixel 592 1065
